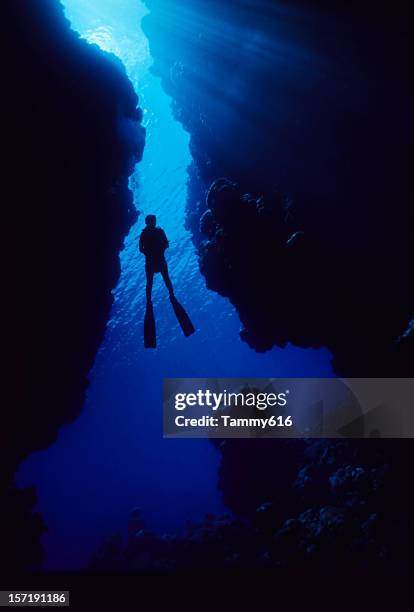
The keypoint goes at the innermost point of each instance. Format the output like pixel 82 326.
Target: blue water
pixel 114 458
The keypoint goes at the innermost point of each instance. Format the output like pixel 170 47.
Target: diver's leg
pixel 150 279
pixel 167 280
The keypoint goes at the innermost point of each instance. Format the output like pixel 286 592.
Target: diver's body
pixel 153 243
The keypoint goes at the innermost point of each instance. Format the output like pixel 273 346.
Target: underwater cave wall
pixel 71 136
pixel 300 207
pixel 339 509
pixel 305 109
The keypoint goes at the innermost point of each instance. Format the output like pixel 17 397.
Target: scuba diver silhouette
pixel 153 243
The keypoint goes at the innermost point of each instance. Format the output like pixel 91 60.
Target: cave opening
pixel 113 457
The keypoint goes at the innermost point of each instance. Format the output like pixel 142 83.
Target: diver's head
pixel 151 220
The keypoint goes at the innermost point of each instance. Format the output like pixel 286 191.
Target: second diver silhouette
pixel 153 243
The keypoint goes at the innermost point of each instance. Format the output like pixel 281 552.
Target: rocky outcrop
pixel 71 136
pixel 305 109
pixel 340 509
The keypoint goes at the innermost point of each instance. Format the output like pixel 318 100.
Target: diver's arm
pixel 165 239
pixel 141 244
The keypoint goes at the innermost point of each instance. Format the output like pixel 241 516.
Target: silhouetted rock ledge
pixel 333 507
pixel 305 110
pixel 70 138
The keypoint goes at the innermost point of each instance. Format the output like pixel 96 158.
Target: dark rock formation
pixel 341 509
pixel 307 103
pixel 71 135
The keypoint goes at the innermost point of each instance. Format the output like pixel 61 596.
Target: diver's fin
pixel 182 317
pixel 150 337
